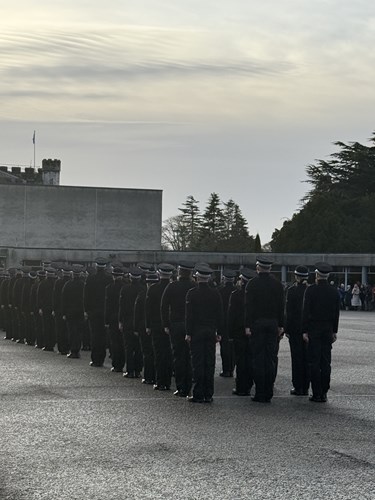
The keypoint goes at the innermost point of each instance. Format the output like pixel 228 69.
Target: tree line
pixel 338 212
pixel 221 227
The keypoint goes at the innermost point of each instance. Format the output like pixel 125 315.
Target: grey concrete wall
pixel 65 217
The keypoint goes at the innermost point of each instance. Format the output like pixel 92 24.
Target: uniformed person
pixel 173 321
pixel 236 332
pixel 61 325
pixel 16 297
pixel 33 310
pixel 42 276
pixel 264 321
pixel 160 338
pixel 128 296
pixel 226 344
pixel 45 306
pixel 149 376
pixel 72 310
pixel 111 315
pixel 204 318
pixel 94 298
pixel 293 331
pixel 29 331
pixel 320 320
pixel 4 301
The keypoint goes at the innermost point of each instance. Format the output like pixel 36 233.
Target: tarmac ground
pixel 70 431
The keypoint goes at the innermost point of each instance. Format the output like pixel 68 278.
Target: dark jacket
pixel 293 308
pixel 173 301
pixel 94 291
pixel 321 307
pixel 264 299
pixel 204 308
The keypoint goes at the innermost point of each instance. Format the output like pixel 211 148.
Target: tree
pixel 213 226
pixel 174 234
pixel 338 212
pixel 191 218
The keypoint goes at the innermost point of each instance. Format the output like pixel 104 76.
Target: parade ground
pixel 71 431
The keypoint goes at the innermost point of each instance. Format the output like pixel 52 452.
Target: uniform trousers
pixel 244 371
pixel 15 324
pixel 97 337
pixel 319 359
pixel 74 327
pixel 30 328
pixel 7 322
pixel 116 340
pixel 300 369
pixel 48 324
pixel 148 356
pixel 163 356
pixel 133 353
pixel 265 345
pixel 227 355
pixel 203 357
pixel 181 357
pixel 61 333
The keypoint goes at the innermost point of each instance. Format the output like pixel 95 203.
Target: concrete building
pixel 40 222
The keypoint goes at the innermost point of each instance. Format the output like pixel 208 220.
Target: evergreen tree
pixel 338 212
pixel 191 218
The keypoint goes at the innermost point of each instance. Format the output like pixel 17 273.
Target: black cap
pixel 166 269
pixel 135 272
pixel 152 278
pixel 101 262
pixel 202 269
pixel 229 274
pixel 118 271
pixel 323 269
pixel 186 265
pixel 264 263
pixel 301 271
pixel 247 274
pixel 77 269
pixel 33 275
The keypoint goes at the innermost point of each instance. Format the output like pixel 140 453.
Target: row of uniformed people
pixel 152 320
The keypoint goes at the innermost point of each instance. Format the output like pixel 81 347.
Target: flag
pixel 34 137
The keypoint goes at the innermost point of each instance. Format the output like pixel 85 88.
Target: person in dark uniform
pixel 4 301
pixel 94 299
pixel 140 328
pixel 72 311
pixel 173 321
pixel 29 331
pixel 320 321
pixel 160 339
pixel 226 343
pixel 111 311
pixel 293 327
pixel 241 341
pixel 60 324
pixel 128 296
pixel 264 320
pixel 44 301
pixel 16 297
pixel 42 276
pixel 32 308
pixel 204 318
pixel 24 282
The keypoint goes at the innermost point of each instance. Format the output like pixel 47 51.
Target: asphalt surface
pixel 70 431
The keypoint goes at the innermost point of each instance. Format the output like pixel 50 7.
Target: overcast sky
pixel 192 97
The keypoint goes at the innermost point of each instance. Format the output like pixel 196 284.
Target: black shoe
pixel 148 382
pixel 20 341
pixel 192 399
pixel 116 370
pixel 226 374
pixel 294 392
pixel 160 387
pixel 316 399
pixel 324 397
pixel 240 393
pixel 37 346
pixel 48 349
pixel 128 375
pixel 64 353
pixel 180 394
pixel 72 355
pixel 96 365
pixel 208 400
pixel 137 375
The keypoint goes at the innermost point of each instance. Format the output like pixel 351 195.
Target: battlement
pixel 48 174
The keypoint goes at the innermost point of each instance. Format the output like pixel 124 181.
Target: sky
pixel 191 97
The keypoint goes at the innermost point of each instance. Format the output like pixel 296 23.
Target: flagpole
pixel 34 147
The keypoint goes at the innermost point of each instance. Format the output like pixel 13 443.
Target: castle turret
pixel 51 172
